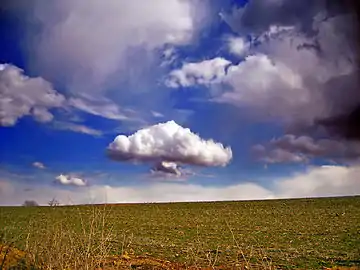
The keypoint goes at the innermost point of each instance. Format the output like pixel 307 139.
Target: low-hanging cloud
pixel 171 143
pixel 314 182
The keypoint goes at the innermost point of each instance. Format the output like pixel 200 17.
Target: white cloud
pixel 77 128
pixel 90 59
pixel 205 72
pixel 22 96
pixel 169 142
pixel 69 180
pixel 39 165
pixel 315 182
pixel 238 45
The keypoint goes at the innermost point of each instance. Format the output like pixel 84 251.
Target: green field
pixel 286 234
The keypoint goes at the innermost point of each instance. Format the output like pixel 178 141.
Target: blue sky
pixel 242 76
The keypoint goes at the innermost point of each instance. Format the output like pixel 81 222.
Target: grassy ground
pixel 286 234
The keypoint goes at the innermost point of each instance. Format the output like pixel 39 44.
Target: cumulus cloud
pixel 39 165
pixel 69 180
pixel 205 72
pixel 21 96
pixel 314 182
pixel 171 143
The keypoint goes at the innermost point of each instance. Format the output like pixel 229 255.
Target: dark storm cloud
pixel 300 149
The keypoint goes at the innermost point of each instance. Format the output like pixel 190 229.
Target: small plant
pixel 53 202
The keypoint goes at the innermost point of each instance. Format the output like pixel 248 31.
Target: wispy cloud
pixel 104 108
pixel 77 128
pixel 39 165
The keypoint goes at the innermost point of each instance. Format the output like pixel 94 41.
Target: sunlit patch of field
pixel 273 234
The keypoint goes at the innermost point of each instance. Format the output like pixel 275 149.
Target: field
pixel 274 234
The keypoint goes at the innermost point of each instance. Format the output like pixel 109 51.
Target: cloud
pixel 278 85
pixel 39 165
pixel 77 128
pixel 166 168
pixel 317 41
pixel 21 96
pixel 90 60
pixel 103 107
pixel 169 56
pixel 345 124
pixel 157 114
pixel 301 69
pixel 70 180
pixel 169 142
pixel 292 148
pixel 205 72
pixel 257 16
pixel 238 45
pixel 314 182
pixel 321 181
pixel 278 155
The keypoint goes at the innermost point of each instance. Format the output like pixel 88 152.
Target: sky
pixel 178 100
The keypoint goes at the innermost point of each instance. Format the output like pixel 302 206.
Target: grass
pixel 285 234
